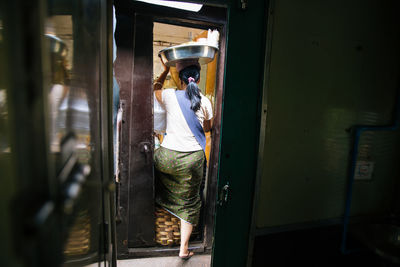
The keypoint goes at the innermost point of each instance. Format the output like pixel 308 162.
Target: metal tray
pixel 204 52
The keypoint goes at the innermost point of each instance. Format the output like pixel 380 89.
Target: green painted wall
pixel 333 64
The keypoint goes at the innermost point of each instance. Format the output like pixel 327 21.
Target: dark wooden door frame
pixel 141 141
pixel 134 41
pixel 123 72
pixel 208 17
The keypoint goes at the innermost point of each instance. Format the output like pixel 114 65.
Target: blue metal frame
pixel 358 130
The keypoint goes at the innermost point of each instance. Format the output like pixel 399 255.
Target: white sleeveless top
pixel 178 136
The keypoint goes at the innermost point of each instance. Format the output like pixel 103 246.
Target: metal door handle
pixel 146 148
pixel 224 194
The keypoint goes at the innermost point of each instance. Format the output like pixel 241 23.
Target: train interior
pixel 302 160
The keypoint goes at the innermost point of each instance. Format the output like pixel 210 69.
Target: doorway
pixel 164 36
pixel 142 31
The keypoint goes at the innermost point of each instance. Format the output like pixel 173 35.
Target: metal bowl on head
pixel 203 52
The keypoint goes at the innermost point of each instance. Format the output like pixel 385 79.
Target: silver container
pixel 205 53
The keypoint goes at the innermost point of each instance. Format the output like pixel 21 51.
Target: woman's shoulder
pixel 206 105
pixel 205 99
pixel 168 94
pixel 169 91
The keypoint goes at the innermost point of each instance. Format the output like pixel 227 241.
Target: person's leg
pixel 196 175
pixel 186 231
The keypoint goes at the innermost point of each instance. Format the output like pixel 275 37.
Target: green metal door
pixel 240 130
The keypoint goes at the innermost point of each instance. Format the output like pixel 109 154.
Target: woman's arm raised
pixel 157 86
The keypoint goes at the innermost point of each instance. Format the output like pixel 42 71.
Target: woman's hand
pixel 166 68
pixel 207 125
pixel 157 86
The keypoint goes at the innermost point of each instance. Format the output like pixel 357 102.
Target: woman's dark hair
pixel 192 90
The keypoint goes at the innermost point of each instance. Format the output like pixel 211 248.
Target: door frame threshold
pixel 164 251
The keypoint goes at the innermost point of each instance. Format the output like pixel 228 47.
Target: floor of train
pixel 318 247
pixel 174 261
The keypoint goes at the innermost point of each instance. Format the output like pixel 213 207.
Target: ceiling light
pixel 175 4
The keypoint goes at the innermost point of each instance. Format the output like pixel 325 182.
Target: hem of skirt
pixel 176 215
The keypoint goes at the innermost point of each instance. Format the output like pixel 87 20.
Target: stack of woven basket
pixel 167 228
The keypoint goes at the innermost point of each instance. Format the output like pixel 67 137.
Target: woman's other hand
pixel 166 68
pixel 207 125
pixel 160 81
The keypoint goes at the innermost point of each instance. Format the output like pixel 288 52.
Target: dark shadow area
pixel 319 247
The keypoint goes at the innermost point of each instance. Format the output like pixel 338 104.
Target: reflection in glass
pixel 4 138
pixel 4 143
pixel 68 105
pixel 69 124
pixel 72 34
pixel 74 116
pixel 78 242
pixel 58 87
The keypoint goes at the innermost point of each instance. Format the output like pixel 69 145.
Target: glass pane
pixel 4 127
pixel 73 41
pixel 7 173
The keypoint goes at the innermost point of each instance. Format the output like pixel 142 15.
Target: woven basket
pixel 167 228
pixel 79 236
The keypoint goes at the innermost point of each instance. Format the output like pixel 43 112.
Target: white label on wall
pixel 364 170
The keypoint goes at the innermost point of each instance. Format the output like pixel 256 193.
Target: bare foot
pixel 186 256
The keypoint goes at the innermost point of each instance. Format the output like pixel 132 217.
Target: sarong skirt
pixel 178 180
